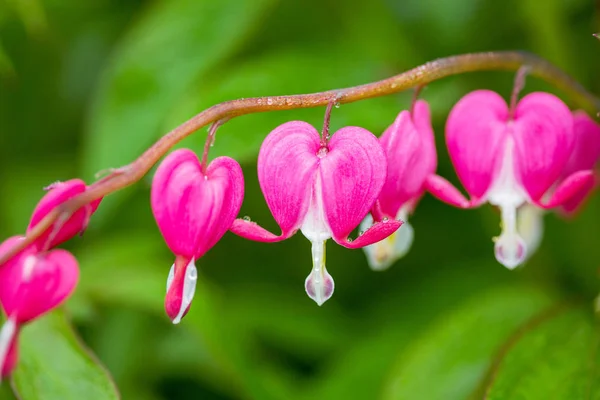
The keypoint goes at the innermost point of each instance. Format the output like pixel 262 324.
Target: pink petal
pixel 422 120
pixel 585 156
pixel 12 356
pixel 33 284
pixel 9 243
pixel 352 175
pixel 194 210
pixel 446 192
pixel 227 180
pixel 252 231
pixel 543 137
pixel 376 233
pixel 475 135
pixel 572 191
pixel 59 193
pixel 287 165
pixel 586 152
pixel 410 157
pixel 573 204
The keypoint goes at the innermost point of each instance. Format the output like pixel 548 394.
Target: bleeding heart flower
pixel 193 207
pixel 323 189
pixel 409 146
pixel 584 157
pixel 510 158
pixel 31 284
pixel 59 193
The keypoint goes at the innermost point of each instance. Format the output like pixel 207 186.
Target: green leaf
pixel 126 269
pixel 54 364
pixel 299 332
pixel 172 46
pixel 548 30
pixel 451 357
pixel 7 68
pixel 6 393
pixel 26 181
pixel 130 270
pixel 557 358
pixel 372 353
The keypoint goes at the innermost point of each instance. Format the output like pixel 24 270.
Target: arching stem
pixel 421 75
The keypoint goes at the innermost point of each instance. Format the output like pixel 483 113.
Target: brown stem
pixel 518 86
pixel 421 75
pixel 210 140
pixel 326 121
pixel 415 98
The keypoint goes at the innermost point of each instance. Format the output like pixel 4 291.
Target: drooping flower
pixel 31 284
pixel 585 155
pixel 409 146
pixel 59 193
pixel 193 208
pixel 510 158
pixel 322 188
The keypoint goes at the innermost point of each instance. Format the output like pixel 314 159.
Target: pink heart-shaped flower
pixel 193 209
pixel 32 283
pixel 325 189
pixel 411 157
pixel 544 140
pixel 59 193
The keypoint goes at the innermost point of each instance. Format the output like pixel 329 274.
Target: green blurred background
pixel 88 85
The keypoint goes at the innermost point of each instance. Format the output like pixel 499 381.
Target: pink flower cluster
pixel 538 155
pixel 533 156
pixel 39 278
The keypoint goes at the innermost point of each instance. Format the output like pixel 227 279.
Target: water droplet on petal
pixel 246 218
pixel 385 219
pixel 269 101
pixel 53 185
pixel 337 105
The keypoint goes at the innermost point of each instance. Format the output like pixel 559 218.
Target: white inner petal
pixel 6 337
pixel 508 194
pixel 315 227
pixel 530 225
pixel 383 254
pixel 189 288
pixel 170 277
pixel 506 190
pixel 319 284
